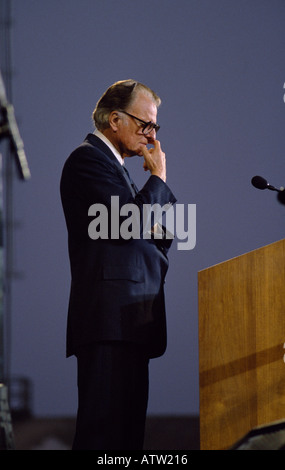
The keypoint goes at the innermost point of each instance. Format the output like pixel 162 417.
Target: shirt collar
pixel 110 145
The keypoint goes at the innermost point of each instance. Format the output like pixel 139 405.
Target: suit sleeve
pixel 89 178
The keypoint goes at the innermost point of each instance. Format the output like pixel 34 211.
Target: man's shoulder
pixel 92 143
pixel 92 148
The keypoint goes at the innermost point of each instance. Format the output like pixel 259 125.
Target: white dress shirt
pixel 110 145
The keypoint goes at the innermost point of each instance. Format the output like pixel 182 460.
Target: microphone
pixel 261 183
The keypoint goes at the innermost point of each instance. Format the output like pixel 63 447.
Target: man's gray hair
pixel 117 98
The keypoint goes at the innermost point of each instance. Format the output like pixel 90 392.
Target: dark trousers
pixel 112 397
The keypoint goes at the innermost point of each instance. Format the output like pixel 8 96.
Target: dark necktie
pixel 133 186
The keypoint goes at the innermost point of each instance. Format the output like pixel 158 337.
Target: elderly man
pixel 116 316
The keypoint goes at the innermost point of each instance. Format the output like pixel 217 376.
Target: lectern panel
pixel 241 345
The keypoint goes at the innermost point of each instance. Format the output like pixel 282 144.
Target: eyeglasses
pixel 147 127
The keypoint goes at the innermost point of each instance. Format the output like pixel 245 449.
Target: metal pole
pixel 6 195
pixel 8 131
pixel 2 334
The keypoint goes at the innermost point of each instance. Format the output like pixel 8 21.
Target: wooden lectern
pixel 241 345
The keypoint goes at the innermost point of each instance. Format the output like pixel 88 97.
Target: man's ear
pixel 114 120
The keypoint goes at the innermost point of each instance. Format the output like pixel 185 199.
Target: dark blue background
pixel 219 67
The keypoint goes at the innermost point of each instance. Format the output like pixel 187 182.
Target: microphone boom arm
pixel 260 183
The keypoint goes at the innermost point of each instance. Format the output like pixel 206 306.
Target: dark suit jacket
pixel 116 285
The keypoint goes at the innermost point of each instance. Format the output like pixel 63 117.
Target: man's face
pixel 130 138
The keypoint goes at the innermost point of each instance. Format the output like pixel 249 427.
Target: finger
pixel 145 151
pixel 147 154
pixel 157 145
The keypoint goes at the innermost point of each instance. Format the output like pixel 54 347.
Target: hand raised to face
pixel 155 161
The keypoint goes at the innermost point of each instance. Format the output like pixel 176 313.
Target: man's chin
pixel 137 152
pixel 140 151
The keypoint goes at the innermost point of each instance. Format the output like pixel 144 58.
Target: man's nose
pixel 151 136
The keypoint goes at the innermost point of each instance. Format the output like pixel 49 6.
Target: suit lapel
pixel 129 180
pixel 94 140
